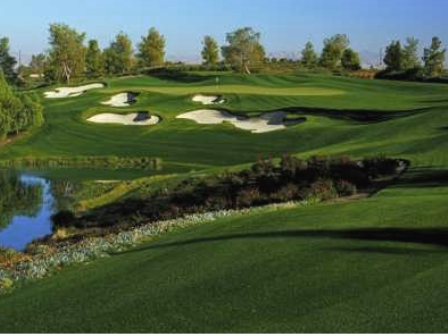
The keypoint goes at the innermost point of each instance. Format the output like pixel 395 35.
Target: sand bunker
pixel 121 100
pixel 269 122
pixel 131 119
pixel 70 92
pixel 208 100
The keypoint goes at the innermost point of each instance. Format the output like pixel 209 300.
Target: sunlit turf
pixel 67 133
pixel 374 265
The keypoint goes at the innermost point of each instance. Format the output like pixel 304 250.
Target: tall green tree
pixel 67 52
pixel 7 62
pixel 94 60
pixel 17 113
pixel 351 60
pixel 309 56
pixel 37 64
pixel 410 54
pixel 244 50
pixel 334 47
pixel 152 49
pixel 7 102
pixel 434 58
pixel 210 51
pixel 118 58
pixel 394 57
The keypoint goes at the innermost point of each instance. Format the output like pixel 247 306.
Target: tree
pixel 334 47
pixel 118 58
pixel 410 54
pixel 37 64
pixel 94 60
pixel 210 51
pixel 17 113
pixel 309 56
pixel 244 50
pixel 434 58
pixel 152 49
pixel 350 60
pixel 7 62
pixel 67 52
pixel 394 58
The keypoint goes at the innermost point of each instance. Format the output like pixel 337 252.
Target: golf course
pixel 225 167
pixel 374 264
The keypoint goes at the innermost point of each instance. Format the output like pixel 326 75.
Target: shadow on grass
pixel 437 238
pixel 423 178
pixel 178 76
pixel 363 116
pixel 437 101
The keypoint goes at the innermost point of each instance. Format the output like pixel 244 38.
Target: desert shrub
pixel 291 166
pixel 345 188
pixel 323 189
pixel 248 197
pixel 380 166
pixel 318 179
pixel 350 171
pixel 218 202
pixel 318 168
pixel 286 193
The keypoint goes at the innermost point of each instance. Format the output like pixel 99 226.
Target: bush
pixel 290 166
pixel 315 180
pixel 323 190
pixel 287 193
pixel 248 197
pixel 345 188
pixel 63 219
pixel 380 166
pixel 6 284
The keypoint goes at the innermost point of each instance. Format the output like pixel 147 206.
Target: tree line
pixel 404 59
pixel 71 56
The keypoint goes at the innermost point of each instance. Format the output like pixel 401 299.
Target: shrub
pixel 64 218
pixel 345 188
pixel 286 193
pixel 217 202
pixel 248 197
pixel 323 190
pixel 6 283
pixel 290 166
pixel 380 166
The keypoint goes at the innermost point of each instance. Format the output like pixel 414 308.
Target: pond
pixel 28 199
pixel 26 205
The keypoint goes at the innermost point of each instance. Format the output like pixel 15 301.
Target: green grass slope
pixel 378 265
pixel 374 265
pixel 66 133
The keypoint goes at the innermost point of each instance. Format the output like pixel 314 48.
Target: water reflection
pixel 26 206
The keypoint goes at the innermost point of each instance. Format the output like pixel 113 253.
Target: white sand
pixel 208 100
pixel 132 119
pixel 70 92
pixel 120 100
pixel 269 122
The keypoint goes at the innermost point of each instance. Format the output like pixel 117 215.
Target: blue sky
pixel 286 25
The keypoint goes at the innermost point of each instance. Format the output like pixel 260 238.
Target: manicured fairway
pixel 328 268
pixel 67 133
pixel 375 265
